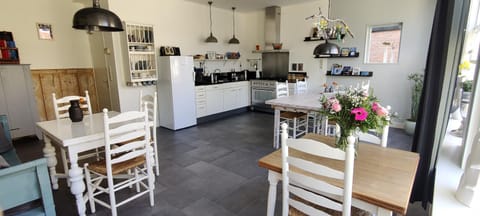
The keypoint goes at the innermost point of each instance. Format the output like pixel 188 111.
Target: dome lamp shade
pixel 96 19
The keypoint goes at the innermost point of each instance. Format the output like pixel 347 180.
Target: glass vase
pixel 341 140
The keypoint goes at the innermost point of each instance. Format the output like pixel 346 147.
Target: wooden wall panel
pixel 63 82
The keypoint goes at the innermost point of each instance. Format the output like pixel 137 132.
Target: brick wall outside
pixel 377 48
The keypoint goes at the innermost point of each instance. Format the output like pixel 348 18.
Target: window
pixel 383 44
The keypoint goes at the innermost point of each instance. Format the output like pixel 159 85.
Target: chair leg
pixel 137 185
pixel 294 135
pixel 155 148
pixel 65 164
pixel 88 180
pixel 111 194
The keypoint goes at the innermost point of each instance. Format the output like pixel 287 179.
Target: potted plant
pixel 466 89
pixel 417 88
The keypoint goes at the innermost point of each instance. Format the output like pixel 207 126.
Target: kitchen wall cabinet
pixel 17 100
pixel 213 99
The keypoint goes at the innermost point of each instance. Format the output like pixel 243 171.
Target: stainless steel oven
pixel 263 90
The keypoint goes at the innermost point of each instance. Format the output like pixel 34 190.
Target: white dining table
pixel 304 103
pixel 76 137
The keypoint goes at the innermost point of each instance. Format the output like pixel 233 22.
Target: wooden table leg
pixel 276 122
pixel 49 153
pixel 77 186
pixel 273 179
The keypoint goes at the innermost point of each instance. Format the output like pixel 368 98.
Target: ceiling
pixel 249 5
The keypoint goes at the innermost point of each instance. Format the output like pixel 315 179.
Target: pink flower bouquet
pixel 354 109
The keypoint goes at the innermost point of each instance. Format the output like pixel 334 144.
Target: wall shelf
pixel 338 56
pixel 365 74
pixel 141 55
pixel 308 39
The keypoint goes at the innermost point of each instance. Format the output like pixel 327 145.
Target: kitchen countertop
pixel 221 82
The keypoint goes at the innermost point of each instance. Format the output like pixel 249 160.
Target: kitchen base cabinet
pixel 213 99
pixel 201 101
pixel 17 100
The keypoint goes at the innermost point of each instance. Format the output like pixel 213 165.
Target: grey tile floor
pixel 209 169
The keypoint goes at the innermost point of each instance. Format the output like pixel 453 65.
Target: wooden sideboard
pixel 63 82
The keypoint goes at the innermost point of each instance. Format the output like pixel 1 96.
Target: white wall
pixel 294 28
pixel 389 81
pixel 68 49
pixel 186 25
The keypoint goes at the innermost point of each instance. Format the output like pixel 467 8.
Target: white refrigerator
pixel 176 92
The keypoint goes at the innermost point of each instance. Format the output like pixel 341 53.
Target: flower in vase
pixel 352 110
pixel 360 113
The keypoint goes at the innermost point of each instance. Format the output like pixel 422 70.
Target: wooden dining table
pixel 76 137
pixel 382 180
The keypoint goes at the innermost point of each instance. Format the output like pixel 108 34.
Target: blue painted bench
pixel 23 183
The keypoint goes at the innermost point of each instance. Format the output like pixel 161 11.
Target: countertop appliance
pixel 176 92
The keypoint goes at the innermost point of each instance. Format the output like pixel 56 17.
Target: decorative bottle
pixel 75 112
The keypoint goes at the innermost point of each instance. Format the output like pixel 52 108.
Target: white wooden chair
pixel 374 137
pixel 151 101
pixel 133 131
pixel 313 190
pixel 297 120
pixel 301 87
pixel 60 106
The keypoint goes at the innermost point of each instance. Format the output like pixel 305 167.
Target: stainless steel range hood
pixel 273 16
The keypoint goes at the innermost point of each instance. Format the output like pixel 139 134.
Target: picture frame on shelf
pixel 345 51
pixel 353 51
pixel 300 66
pixel 44 31
pixel 294 66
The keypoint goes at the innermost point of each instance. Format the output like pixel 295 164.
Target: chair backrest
pixel 151 102
pixel 310 189
pixel 282 89
pixel 129 128
pixel 301 87
pixel 25 183
pixel 61 105
pixel 374 137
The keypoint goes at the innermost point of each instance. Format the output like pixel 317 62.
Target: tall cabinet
pixel 17 100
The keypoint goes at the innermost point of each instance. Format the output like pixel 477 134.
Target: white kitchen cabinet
pixel 219 98
pixel 244 95
pixel 17 100
pixel 230 100
pixel 201 101
pixel 214 99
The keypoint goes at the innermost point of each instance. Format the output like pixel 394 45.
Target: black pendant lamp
pixel 211 38
pixel 326 48
pixel 233 40
pixel 96 19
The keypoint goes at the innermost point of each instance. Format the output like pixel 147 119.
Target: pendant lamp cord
pixel 233 8
pixel 210 3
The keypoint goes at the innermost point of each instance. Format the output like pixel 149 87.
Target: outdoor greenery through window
pixel 383 44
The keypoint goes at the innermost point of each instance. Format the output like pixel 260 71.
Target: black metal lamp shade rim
pixel 326 49
pixel 97 19
pixel 234 40
pixel 211 39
